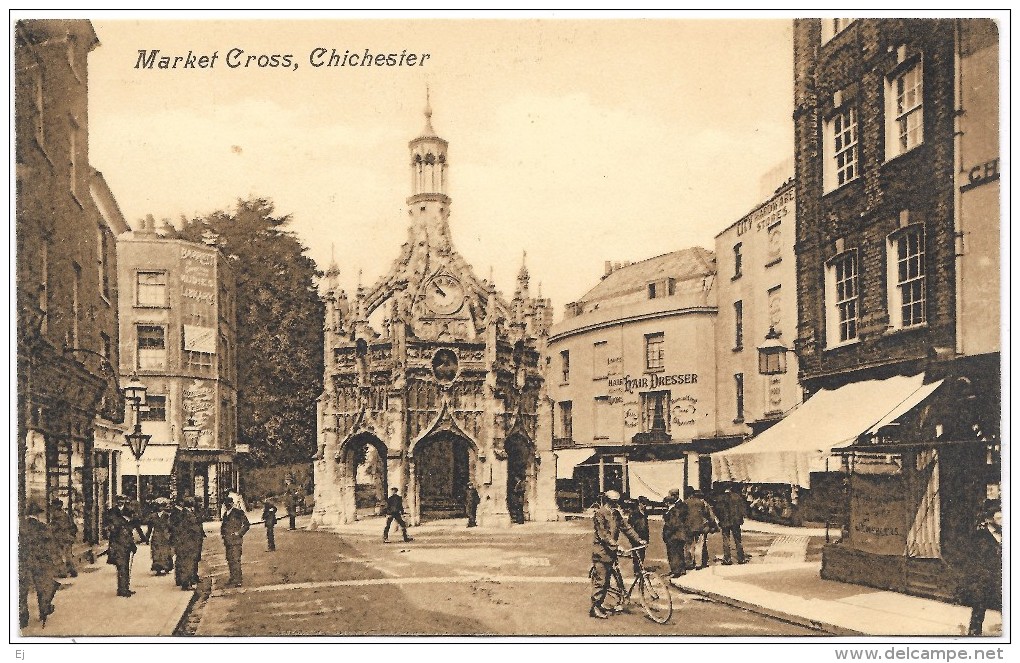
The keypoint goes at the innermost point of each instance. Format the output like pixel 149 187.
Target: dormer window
pixel 663 288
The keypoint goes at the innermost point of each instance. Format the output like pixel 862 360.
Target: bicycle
pixel 652 589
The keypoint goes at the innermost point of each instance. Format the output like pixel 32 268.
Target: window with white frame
pixel 566 419
pixel 842 298
pixel 655 352
pixel 151 289
pixel 833 26
pixel 151 347
pixel 904 110
pixel 841 148
pixel 906 278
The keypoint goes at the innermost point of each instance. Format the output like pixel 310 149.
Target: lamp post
pixel 134 391
pixel 772 354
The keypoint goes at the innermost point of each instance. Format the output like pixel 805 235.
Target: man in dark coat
pixel 517 492
pixel 731 509
pixel 35 564
pixel 984 577
pixel 471 501
pixel 700 521
pixel 609 523
pixel 395 511
pixel 64 530
pixel 292 505
pixel 176 514
pixel 121 525
pixel 675 534
pixel 269 519
pixel 637 518
pixel 188 537
pixel 233 528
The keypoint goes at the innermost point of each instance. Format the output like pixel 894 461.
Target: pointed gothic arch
pixel 364 476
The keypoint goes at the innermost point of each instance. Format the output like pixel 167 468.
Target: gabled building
pixel 896 130
pixel 433 380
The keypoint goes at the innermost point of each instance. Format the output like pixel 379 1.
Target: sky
pixel 576 141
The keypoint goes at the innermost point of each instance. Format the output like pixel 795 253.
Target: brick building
pixel 66 221
pixel 897 280
pixel 178 337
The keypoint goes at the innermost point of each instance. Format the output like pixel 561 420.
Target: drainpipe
pixel 958 234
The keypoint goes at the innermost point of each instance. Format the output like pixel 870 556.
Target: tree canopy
pixel 279 328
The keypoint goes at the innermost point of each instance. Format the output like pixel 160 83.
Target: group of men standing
pixel 687 524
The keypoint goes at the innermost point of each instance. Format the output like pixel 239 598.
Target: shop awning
pixel 158 460
pixel 803 441
pixel 568 459
pixel 655 479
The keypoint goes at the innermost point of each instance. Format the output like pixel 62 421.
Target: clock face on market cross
pixel 444 294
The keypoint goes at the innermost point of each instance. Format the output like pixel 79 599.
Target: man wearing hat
pixel 233 528
pixel 675 534
pixel 731 510
pixel 186 534
pixel 609 523
pixel 395 511
pixel 64 532
pixel 471 500
pixel 35 563
pixel 120 527
pixel 700 521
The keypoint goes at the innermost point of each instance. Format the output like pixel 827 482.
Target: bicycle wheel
pixel 656 599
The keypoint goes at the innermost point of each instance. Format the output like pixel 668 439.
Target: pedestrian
pixel 675 534
pixel 608 523
pixel 637 518
pixel 471 501
pixel 731 510
pixel 701 521
pixel 984 577
pixel 518 489
pixel 395 511
pixel 159 538
pixel 64 531
pixel 36 564
pixel 269 519
pixel 121 524
pixel 292 504
pixel 233 528
pixel 189 535
pixel 175 531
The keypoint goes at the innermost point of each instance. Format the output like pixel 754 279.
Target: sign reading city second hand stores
pixel 651 381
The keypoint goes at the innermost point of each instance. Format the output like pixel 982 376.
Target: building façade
pixel 896 133
pixel 433 380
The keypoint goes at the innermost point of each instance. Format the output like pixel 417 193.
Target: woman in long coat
pixel 159 540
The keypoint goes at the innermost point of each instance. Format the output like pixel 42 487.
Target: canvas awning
pixel 158 460
pixel 568 459
pixel 656 478
pixel 802 442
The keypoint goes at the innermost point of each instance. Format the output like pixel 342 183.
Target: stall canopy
pixel 158 460
pixel 655 479
pixel 568 459
pixel 803 441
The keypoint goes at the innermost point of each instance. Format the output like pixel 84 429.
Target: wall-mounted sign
pixel 683 410
pixel 651 381
pixel 982 173
pixel 769 214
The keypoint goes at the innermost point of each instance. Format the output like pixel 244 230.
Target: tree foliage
pixel 279 328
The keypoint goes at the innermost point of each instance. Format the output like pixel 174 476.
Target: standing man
pixel 675 534
pixel 984 572
pixel 176 539
pixel 292 502
pixel 120 526
pixel 64 530
pixel 233 528
pixel 395 511
pixel 35 564
pixel 190 535
pixel 517 500
pixel 731 510
pixel 269 518
pixel 471 500
pixel 637 518
pixel 609 523
pixel 700 521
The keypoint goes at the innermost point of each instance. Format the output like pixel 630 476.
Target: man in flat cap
pixel 609 523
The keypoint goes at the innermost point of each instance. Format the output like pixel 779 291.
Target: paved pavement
pixel 89 606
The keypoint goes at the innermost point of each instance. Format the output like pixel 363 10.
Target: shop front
pixel 206 475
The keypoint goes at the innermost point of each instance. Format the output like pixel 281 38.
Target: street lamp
pixel 134 391
pixel 772 354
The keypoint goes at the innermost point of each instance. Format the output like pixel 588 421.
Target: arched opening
pixel 444 464
pixel 364 457
pixel 520 476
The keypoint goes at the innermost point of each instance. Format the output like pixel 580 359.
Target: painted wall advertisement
pixel 878 513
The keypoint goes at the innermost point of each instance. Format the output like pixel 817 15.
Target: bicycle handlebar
pixel 630 550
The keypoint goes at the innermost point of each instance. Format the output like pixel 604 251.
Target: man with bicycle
pixel 609 523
